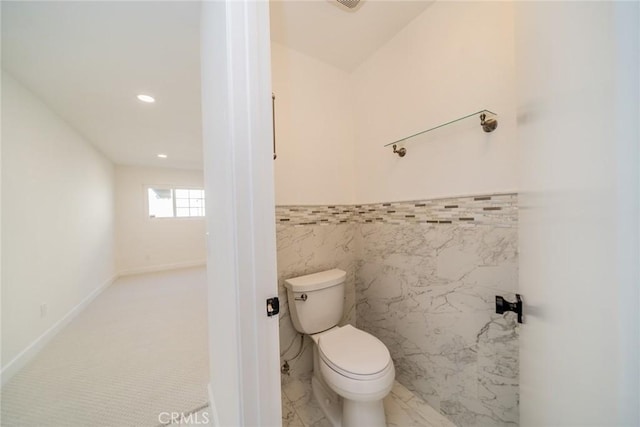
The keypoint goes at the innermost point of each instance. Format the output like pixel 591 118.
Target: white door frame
pixel 241 246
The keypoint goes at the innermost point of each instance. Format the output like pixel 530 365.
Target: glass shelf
pixel 490 114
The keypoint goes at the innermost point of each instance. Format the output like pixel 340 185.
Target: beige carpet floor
pixel 139 349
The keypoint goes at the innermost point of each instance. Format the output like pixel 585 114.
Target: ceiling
pixel 89 60
pixel 336 34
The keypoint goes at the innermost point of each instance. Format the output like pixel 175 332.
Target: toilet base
pixel 328 400
pixel 357 413
pixel 347 413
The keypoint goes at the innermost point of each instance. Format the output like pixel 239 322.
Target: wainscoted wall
pixel 427 290
pixel 426 274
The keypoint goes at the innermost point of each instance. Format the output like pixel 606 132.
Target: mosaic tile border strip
pixel 493 209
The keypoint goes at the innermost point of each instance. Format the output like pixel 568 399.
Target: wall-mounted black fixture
pixel 503 305
pixel 273 306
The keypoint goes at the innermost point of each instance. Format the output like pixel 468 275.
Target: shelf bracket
pixel 488 125
pixel 401 152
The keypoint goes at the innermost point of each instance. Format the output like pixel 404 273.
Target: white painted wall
pixel 314 130
pixel 57 221
pixel 150 244
pixel 453 59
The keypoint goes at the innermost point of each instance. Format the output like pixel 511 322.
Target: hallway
pixel 138 350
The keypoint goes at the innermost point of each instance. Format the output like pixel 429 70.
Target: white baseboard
pixel 26 355
pixel 213 413
pixel 163 267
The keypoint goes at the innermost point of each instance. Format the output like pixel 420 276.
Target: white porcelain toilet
pixel 352 369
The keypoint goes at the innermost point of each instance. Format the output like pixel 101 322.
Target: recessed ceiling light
pixel 146 98
pixel 162 156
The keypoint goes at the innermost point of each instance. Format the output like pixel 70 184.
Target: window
pixel 175 202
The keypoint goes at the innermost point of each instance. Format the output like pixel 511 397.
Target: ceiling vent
pixel 349 3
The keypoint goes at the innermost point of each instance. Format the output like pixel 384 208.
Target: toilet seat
pixel 354 364
pixel 354 353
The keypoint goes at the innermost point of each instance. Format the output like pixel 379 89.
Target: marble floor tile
pixel 299 393
pixel 436 419
pixel 402 407
pixel 289 416
pixel 401 392
pixel 399 414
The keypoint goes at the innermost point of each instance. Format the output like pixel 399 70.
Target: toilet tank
pixel 316 301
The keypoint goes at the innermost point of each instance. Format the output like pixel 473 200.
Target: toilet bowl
pixel 352 369
pixel 355 364
pixel 357 367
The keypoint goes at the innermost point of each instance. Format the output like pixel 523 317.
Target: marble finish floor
pixel 403 408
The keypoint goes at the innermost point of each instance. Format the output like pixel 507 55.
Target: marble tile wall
pixel 304 250
pixel 428 292
pixel 426 274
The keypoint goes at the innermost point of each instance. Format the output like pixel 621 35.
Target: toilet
pixel 352 369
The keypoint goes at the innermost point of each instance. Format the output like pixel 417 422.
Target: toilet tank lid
pixel 315 281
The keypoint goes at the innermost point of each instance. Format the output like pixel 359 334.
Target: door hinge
pixel 273 306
